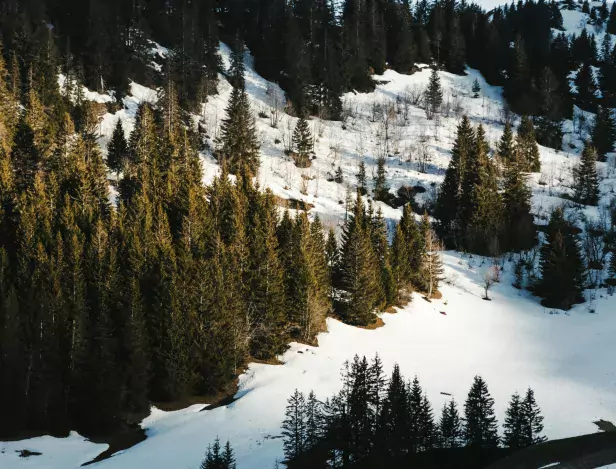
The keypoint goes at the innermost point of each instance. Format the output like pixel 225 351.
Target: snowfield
pixel 567 358
pixel 511 341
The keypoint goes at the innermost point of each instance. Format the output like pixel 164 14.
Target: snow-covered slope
pixel 567 358
pixel 511 341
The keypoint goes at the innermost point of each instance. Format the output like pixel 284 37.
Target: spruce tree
pixel 238 143
pixel 526 145
pixel 482 208
pixel 362 188
pixel 505 150
pixel 532 426
pixel 513 426
pixel 585 182
pixel 603 134
pixel 480 426
pixel 381 189
pixel 562 270
pixel 393 427
pixel 434 95
pixel 360 281
pixel 450 426
pixel 476 88
pixel 586 87
pixel 117 149
pixel 302 144
pixel 449 202
pixel 294 427
pixel 519 228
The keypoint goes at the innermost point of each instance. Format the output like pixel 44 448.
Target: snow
pixel 513 342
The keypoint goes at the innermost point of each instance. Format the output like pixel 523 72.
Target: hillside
pixel 511 341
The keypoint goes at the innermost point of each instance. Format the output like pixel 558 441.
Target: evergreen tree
pixel 360 279
pixel 532 419
pixel 586 85
pixel 302 144
pixel 117 149
pixel 294 427
pixel 603 134
pixel 514 423
pixel 408 251
pixel 480 426
pixel 585 182
pixel 476 88
pixel 434 95
pixel 526 144
pixel 362 188
pixel 394 423
pixel 449 202
pixel 519 228
pixel 482 207
pixel 450 426
pixel 505 149
pixel 381 189
pixel 562 271
pixel 238 144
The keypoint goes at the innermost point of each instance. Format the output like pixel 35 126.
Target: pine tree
pixel 450 426
pixel 532 419
pixel 562 270
pixel 482 205
pixel 238 143
pixel 586 87
pixel 218 458
pixel 360 279
pixel 585 182
pixel 228 457
pixel 302 144
pixel 480 426
pixel 393 427
pixel 603 134
pixel 449 202
pixel 381 189
pixel 117 149
pixel 513 426
pixel 362 188
pixel 476 88
pixel 408 251
pixel 505 150
pixel 519 228
pixel 294 427
pixel 526 145
pixel 434 95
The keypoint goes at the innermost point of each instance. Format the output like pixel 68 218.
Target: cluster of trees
pixel 165 292
pixel 217 457
pixel 160 295
pixel 368 274
pixel 473 214
pixel 380 419
pixel 315 52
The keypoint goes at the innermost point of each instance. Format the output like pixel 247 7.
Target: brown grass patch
pixel 375 325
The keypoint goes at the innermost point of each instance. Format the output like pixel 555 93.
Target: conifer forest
pixel 207 201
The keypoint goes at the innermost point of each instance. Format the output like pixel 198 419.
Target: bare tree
pixel 432 261
pixel 490 278
pixel 276 102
